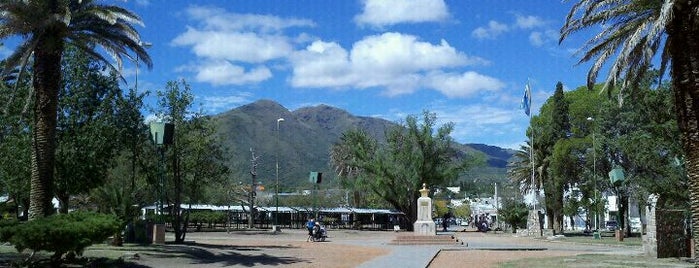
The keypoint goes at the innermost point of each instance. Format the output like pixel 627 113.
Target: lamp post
pixel 161 134
pixel 616 177
pixel 594 176
pixel 276 190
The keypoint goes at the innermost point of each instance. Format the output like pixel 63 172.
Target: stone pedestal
pixel 650 242
pixel 535 223
pixel 159 233
pixel 619 235
pixel 424 224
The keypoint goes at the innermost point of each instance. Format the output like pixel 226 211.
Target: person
pixel 309 225
pixel 445 222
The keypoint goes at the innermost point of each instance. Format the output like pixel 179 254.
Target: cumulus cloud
pixel 522 22
pixel 322 64
pixel 221 72
pixel 397 62
pixel 220 103
pixel 380 13
pixel 529 22
pixel 493 30
pixel 224 41
pixel 235 46
pixel 540 38
pixel 212 18
pixel 236 49
pixel 462 85
pixel 477 122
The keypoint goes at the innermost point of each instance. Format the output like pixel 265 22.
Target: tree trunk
pixel 63 200
pixel 177 183
pixel 46 82
pixel 572 222
pixel 683 45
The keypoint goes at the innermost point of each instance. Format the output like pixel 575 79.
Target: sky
pixel 468 61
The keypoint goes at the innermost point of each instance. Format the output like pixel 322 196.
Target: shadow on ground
pixel 223 255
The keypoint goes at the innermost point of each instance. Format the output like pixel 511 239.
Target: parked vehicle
pixel 611 225
pixel 319 233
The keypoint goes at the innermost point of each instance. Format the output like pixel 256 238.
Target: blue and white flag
pixel 527 99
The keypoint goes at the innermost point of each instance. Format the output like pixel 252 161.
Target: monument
pixel 424 224
pixel 424 229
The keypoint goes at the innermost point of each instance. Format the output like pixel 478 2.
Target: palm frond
pixel 634 32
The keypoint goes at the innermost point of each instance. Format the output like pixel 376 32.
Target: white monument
pixel 424 224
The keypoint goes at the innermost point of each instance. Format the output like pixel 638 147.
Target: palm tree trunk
pixel 46 82
pixel 683 44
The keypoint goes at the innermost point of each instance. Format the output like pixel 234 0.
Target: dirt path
pixel 344 248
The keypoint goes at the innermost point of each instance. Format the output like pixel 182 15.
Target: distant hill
pixel 303 142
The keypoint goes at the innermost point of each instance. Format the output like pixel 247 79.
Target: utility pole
pixel 252 193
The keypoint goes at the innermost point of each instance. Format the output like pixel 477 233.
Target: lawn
pixel 597 260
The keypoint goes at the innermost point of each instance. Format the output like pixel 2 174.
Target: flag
pixel 527 99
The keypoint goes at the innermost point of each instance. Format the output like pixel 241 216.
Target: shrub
pixel 60 234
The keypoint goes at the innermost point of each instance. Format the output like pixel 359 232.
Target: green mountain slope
pixel 303 140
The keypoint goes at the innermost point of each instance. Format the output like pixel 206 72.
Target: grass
pixel 628 241
pixel 596 260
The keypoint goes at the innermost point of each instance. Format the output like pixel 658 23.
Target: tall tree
pixel 15 144
pixel 86 137
pixel 553 126
pixel 633 33
pixel 350 176
pixel 412 155
pixel 519 170
pixel 46 26
pixel 195 157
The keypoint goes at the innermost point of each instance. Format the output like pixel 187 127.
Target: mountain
pixel 301 142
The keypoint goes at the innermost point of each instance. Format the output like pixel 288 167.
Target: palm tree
pixel 519 170
pixel 634 32
pixel 46 27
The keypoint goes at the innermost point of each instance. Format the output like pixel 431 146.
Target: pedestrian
pixel 445 222
pixel 309 225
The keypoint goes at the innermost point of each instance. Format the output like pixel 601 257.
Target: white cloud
pixel 396 52
pixel 224 41
pixel 220 20
pixel 475 122
pixel 321 64
pixel 380 13
pixel 492 31
pixel 397 62
pixel 472 123
pixel 538 38
pixel 215 104
pixel 221 72
pixel 529 22
pixel 462 85
pixel 235 46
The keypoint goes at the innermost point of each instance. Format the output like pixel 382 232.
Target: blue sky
pixel 465 60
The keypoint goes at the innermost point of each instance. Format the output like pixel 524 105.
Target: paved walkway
pixel 351 248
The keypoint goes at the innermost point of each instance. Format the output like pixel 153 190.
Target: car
pixel 611 225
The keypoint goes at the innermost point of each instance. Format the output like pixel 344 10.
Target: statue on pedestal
pixel 424 224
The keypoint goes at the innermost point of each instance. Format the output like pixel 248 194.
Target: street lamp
pixel 161 133
pixel 276 194
pixel 594 176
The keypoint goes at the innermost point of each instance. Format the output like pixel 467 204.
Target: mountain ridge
pixel 301 142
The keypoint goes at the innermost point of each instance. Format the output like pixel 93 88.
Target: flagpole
pixel 531 148
pixel 531 159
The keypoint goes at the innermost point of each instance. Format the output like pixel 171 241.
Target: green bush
pixel 199 218
pixel 60 234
